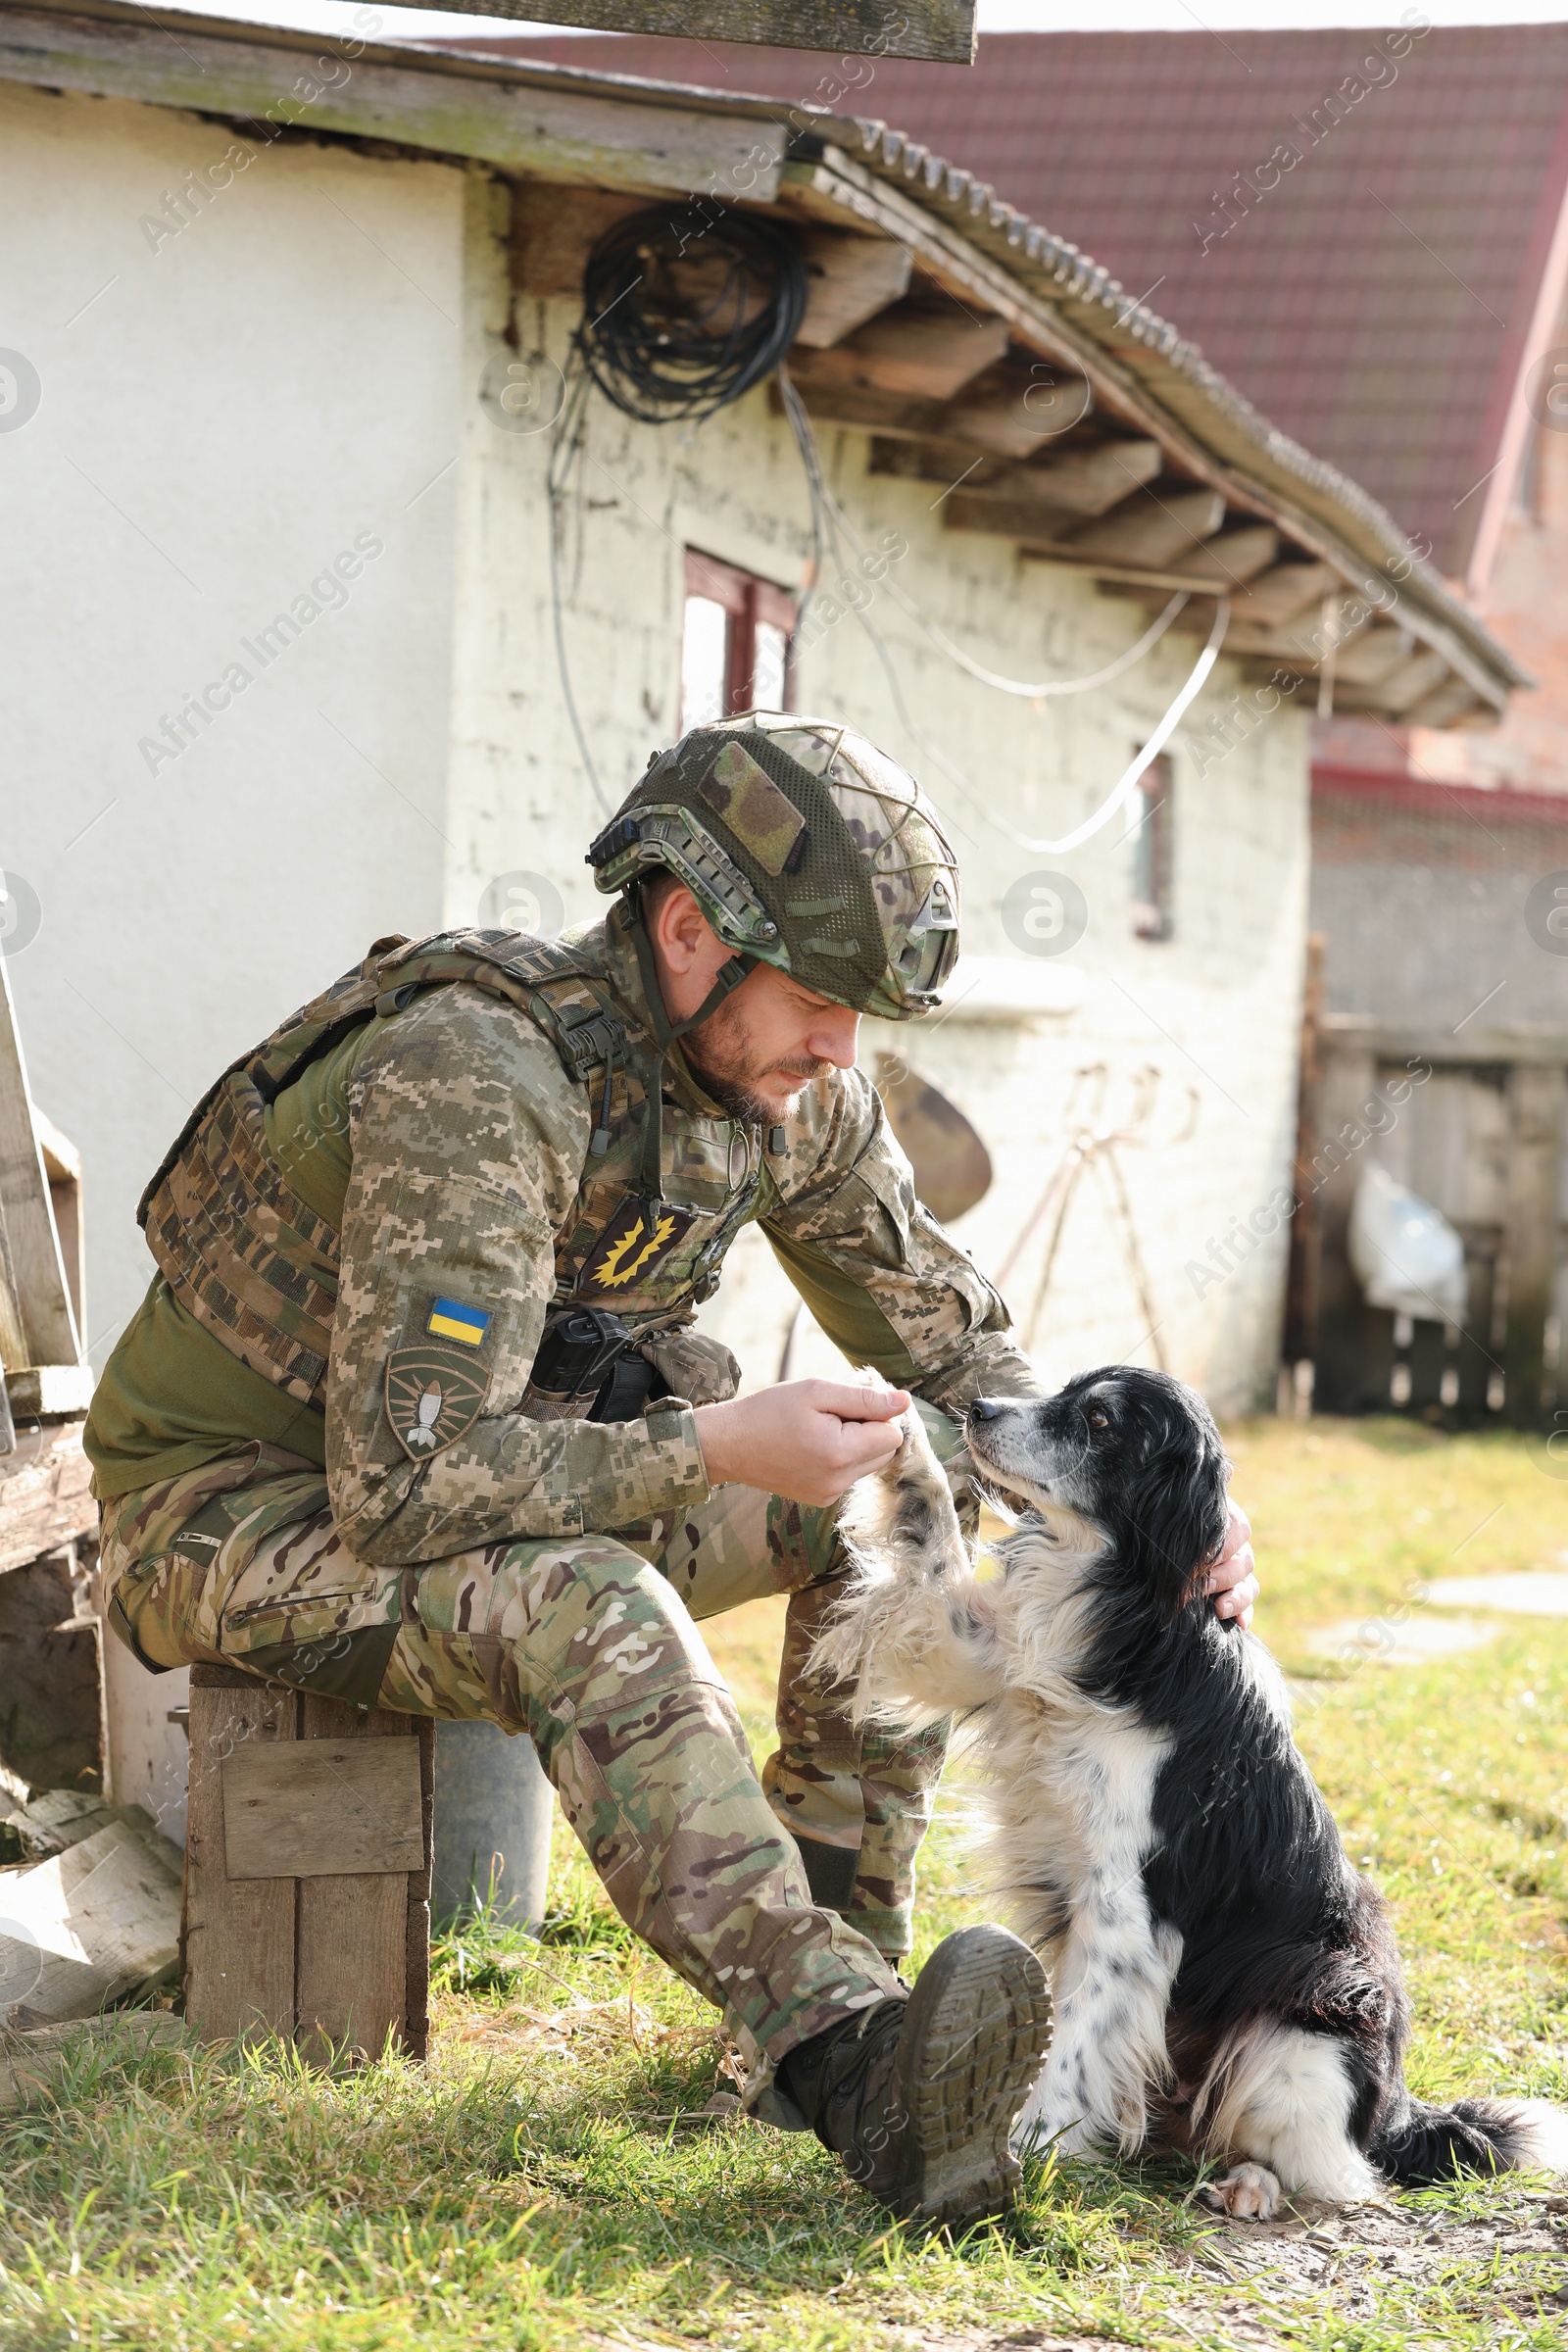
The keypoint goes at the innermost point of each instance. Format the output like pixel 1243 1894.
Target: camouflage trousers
pixel 587 1644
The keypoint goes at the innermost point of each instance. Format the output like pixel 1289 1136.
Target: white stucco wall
pixel 221 416
pixel 296 375
pixel 226 415
pixel 1214 1010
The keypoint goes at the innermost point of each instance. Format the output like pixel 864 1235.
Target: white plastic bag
pixel 1405 1253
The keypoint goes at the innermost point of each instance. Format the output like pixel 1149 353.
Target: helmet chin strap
pixel 667 1033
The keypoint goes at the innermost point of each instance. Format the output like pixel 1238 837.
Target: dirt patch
pixel 1364 2255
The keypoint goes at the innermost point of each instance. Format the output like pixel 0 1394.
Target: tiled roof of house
pixel 1373 304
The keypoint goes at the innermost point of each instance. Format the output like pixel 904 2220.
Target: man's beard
pixel 721 1059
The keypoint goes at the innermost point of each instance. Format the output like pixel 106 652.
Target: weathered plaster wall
pixel 223 412
pixel 1214 1010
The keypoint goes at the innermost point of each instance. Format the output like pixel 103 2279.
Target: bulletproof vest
pixel 258 1268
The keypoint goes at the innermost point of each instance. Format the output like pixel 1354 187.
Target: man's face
pixel 768 1041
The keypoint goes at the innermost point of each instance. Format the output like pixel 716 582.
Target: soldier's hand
pixel 808 1440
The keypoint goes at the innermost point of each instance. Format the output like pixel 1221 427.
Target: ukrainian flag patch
pixel 451 1321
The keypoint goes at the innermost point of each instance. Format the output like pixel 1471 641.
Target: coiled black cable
pixel 679 319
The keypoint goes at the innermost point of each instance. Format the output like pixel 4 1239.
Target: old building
pixel 340 604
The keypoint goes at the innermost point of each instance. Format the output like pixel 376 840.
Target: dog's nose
pixel 982 1409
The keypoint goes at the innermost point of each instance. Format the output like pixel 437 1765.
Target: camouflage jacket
pixel 489 1180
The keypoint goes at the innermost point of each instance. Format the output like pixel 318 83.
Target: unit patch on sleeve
pixel 627 1252
pixel 433 1394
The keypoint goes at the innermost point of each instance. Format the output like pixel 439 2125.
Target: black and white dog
pixel 1225 1983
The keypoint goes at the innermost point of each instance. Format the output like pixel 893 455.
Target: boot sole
pixel 977 2033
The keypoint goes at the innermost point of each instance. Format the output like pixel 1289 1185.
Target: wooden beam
pixel 938 29
pixel 35 1267
pixel 1534 1145
pixel 554 230
pixel 838 187
pixel 1371 659
pixel 1042 503
pixel 1284 590
pixel 463 109
pixel 1231 559
pixel 834 401
pixel 1149 529
pixel 1017 411
pixel 1300 646
pixel 850 279
pixel 1428 698
pixel 45 1494
pixel 913 354
pixel 1404 683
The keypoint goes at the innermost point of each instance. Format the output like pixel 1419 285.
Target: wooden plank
pixel 850 279
pixel 1442 707
pixel 1411 681
pixel 88 1926
pixel 1278 595
pixel 322 1808
pixel 1534 1144
pixel 32 2064
pixel 1147 529
pixel 864 408
pixel 239 1941
pixel 1371 659
pixel 1046 499
pixel 1018 411
pixel 62 1167
pixel 457 107
pixel 1300 644
pixel 51 1681
pixel 1353 1353
pixel 838 187
pixel 32 1246
pixel 554 229
pixel 914 354
pixel 354 1928
pixel 1090 481
pixel 940 29
pixel 1231 559
pixel 45 1494
pixel 417 1970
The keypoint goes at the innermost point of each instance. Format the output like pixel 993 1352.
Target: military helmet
pixel 805 847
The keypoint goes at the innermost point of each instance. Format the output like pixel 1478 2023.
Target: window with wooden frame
pixel 1154 853
pixel 735 643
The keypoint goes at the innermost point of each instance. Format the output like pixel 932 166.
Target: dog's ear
pixel 1175 1512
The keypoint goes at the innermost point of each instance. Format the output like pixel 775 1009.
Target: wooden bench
pixel 307 1868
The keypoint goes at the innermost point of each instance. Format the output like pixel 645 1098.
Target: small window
pixel 735 643
pixel 1154 845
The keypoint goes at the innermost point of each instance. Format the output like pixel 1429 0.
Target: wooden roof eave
pixel 1136 380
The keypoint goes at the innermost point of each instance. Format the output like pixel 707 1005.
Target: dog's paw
pixel 1248 2193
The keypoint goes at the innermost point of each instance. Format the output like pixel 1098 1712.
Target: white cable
pixel 800 423
pixel 1053 686
pixel 1151 750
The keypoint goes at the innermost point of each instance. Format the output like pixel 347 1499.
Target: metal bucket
pixel 493 1814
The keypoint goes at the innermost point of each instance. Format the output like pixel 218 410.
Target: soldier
pixel 413 1412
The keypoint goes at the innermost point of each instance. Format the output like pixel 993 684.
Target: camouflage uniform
pixel 504 1561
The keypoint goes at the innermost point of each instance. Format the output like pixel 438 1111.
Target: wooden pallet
pixel 307 1868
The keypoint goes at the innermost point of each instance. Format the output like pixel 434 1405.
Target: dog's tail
pixel 1418 2146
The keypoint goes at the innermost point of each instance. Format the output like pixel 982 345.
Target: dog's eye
pixel 1097 1420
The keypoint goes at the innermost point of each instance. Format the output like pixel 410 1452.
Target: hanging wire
pixel 565 453
pixel 830 518
pixel 678 321
pixel 799 420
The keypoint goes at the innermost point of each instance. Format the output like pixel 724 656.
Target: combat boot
pixel 918 2095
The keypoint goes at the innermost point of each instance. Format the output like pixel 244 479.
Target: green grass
pixel 530 2188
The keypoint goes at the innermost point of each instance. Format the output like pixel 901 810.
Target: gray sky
pixel 995 15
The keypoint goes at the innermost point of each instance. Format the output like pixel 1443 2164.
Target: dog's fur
pixel 1225 1983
